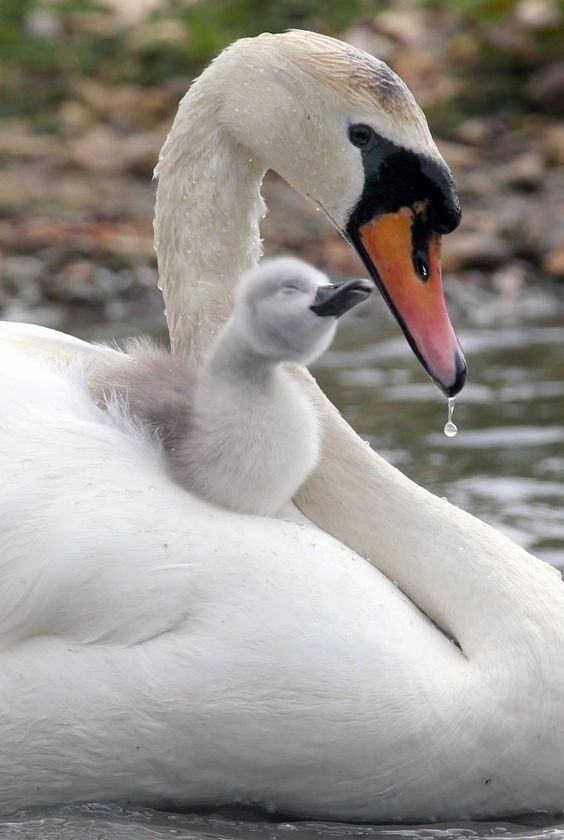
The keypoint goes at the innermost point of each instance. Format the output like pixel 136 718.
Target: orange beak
pixel 406 267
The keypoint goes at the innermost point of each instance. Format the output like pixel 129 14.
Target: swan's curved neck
pixel 207 217
pixel 477 585
pixel 472 581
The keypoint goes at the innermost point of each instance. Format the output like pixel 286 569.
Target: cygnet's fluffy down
pixel 239 432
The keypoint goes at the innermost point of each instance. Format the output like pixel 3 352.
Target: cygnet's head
pixel 287 310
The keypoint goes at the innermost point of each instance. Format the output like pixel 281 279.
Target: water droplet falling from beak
pixel 450 429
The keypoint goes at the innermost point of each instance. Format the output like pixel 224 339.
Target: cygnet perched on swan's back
pixel 240 432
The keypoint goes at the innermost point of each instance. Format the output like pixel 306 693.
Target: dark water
pixel 112 822
pixel 506 465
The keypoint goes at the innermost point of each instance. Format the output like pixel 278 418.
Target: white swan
pixel 157 649
pixel 239 431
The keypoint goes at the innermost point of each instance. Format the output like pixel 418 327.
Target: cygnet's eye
pixel 361 135
pixel 289 290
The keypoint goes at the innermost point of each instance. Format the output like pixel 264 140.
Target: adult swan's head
pixel 343 130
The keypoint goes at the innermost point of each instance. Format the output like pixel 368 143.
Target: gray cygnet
pixel 241 431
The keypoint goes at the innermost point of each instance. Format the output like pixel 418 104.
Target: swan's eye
pixel 361 135
pixel 289 290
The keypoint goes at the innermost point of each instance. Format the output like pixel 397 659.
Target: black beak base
pixel 336 299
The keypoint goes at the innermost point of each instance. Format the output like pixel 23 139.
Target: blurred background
pixel 89 89
pixel 88 92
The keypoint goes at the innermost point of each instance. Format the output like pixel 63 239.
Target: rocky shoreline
pixel 76 197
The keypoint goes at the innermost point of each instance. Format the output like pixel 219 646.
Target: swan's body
pixel 156 648
pixel 240 431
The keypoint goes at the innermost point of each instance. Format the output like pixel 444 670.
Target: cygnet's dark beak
pixel 336 299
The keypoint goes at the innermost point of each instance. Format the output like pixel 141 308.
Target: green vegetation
pixel 45 45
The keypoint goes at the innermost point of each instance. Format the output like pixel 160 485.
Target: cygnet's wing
pixel 43 341
pixel 155 387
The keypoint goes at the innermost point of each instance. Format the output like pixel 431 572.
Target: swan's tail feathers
pixel 43 341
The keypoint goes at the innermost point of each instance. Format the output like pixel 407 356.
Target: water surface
pixel 113 822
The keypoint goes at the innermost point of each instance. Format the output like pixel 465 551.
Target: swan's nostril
pixel 422 268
